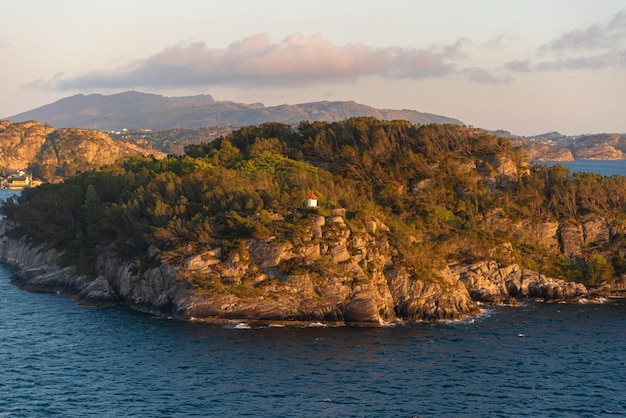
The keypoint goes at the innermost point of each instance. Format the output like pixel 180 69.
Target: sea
pixel 605 168
pixel 59 358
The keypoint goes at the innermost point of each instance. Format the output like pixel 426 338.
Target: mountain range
pixel 168 124
pixel 136 110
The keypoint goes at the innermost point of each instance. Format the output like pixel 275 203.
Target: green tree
pixel 599 270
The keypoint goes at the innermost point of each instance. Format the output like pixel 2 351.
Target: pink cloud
pixel 255 60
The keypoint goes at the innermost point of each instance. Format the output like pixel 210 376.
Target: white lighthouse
pixel 312 200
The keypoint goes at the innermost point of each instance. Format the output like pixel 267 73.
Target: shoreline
pixel 160 291
pixel 24 285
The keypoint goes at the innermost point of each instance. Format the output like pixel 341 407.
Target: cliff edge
pixel 336 274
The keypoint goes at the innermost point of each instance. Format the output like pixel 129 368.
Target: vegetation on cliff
pixel 447 193
pixel 172 141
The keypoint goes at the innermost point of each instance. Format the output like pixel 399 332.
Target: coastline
pixel 160 292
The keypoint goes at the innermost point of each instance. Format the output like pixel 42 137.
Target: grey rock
pixel 351 277
pixel 362 312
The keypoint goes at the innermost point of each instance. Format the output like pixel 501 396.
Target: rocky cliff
pixel 20 143
pixel 545 152
pixel 68 151
pixel 599 147
pixel 491 283
pixel 51 153
pixel 583 147
pixel 336 273
pixel 151 291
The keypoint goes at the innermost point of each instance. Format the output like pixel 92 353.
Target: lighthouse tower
pixel 312 200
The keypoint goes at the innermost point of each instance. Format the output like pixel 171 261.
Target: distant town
pixel 17 180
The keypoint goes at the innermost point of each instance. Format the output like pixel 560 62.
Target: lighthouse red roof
pixel 312 195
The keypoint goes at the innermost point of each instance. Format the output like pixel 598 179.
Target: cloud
pixel 3 43
pixel 585 62
pixel 483 76
pixel 502 41
pixel 596 46
pixel 599 36
pixel 518 66
pixel 256 61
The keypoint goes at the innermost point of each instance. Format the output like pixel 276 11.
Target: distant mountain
pixel 135 110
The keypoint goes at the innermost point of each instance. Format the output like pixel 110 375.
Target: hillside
pixel 413 222
pixel 52 154
pixel 557 147
pixel 135 110
pixel 20 143
pixel 172 141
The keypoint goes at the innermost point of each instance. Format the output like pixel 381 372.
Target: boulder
pixel 362 312
pixel 98 292
pixel 490 283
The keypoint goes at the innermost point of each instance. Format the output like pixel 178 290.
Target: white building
pixel 312 200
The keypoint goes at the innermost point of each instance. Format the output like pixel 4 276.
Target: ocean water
pixel 58 358
pixel 605 168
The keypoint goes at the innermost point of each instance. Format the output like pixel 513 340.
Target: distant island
pixel 136 110
pixel 554 146
pixel 413 222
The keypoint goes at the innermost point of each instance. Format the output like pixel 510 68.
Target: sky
pixel 528 67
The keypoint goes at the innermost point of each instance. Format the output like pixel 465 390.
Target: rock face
pixel 504 166
pixel 20 143
pixel 67 151
pixel 491 283
pixel 336 272
pixel 614 287
pixel 543 152
pixel 571 239
pixel 599 147
pixel 51 153
pixel 118 282
pixel 584 147
pixel 599 152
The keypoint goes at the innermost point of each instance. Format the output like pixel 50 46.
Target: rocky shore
pixel 335 275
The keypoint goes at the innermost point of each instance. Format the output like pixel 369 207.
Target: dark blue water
pixel 62 359
pixel 605 168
